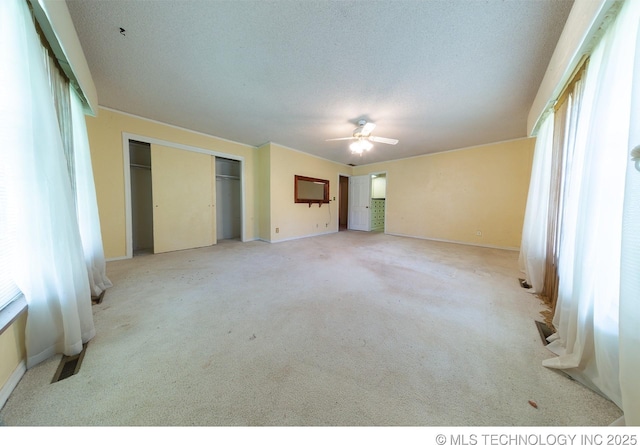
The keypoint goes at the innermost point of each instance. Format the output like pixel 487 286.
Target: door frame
pixel 126 137
pixel 386 175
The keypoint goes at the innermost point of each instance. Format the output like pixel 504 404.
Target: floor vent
pixel 544 331
pixel 98 299
pixel 523 283
pixel 69 366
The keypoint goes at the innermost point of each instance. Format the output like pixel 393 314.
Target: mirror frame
pixel 303 200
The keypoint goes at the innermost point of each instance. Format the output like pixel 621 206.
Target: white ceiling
pixel 435 74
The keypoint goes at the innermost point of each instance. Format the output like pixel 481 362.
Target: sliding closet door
pixel 183 190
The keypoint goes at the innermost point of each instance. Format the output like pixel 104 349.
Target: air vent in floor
pixel 545 331
pixel 69 365
pixel 523 283
pixel 98 299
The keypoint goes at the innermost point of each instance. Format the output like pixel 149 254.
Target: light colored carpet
pixel 343 329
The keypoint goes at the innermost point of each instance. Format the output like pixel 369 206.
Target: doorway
pixel 378 201
pixel 367 202
pixel 141 197
pixel 228 199
pixel 343 211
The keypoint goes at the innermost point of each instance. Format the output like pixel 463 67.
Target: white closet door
pixel 183 188
pixel 359 203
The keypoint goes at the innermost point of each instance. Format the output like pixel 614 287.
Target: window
pixel 8 289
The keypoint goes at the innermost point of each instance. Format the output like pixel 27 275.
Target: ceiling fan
pixel 362 138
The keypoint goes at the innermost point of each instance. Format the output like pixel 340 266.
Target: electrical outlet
pixel 277 229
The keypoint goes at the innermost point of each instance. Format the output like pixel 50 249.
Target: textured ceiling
pixel 437 75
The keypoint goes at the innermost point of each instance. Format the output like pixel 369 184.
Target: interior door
pixel 182 184
pixel 359 203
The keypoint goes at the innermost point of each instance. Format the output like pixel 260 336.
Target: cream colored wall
pixel 263 192
pixel 452 195
pixel 446 196
pixel 105 138
pixel 12 350
pixel 299 220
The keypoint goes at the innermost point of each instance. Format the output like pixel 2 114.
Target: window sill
pixel 12 311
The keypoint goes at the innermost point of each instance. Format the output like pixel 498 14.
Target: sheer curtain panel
pixel 630 259
pixel 597 297
pixel 59 85
pixel 533 249
pixel 49 266
pixel 86 204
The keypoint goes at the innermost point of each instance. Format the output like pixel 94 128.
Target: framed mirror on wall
pixel 311 190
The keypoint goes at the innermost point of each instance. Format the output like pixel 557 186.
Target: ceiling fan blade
pixel 341 139
pixel 383 140
pixel 367 128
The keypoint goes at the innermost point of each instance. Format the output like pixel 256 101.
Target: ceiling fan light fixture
pixel 360 146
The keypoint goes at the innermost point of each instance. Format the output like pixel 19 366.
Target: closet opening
pixel 141 197
pixel 179 197
pixel 228 199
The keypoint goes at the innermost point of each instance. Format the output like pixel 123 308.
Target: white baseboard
pixel 302 237
pixel 117 258
pixel 11 384
pixel 516 249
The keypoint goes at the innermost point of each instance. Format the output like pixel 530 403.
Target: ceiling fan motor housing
pixel 363 132
pixel 363 129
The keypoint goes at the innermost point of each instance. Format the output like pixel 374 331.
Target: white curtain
pixel 589 340
pixel 630 259
pixel 533 248
pixel 59 85
pixel 86 204
pixel 49 266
